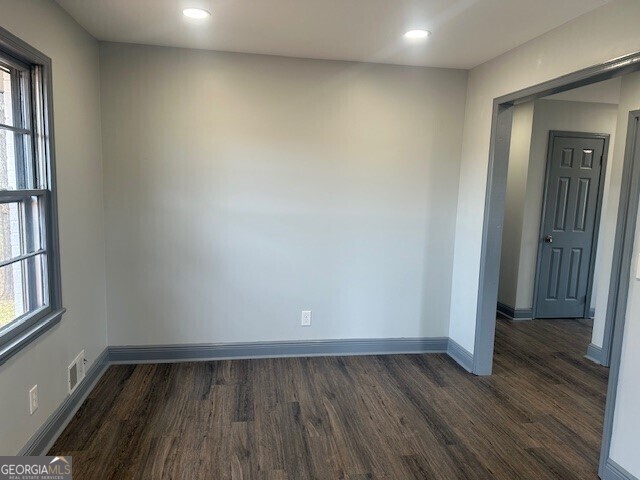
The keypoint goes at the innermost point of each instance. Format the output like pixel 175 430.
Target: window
pixel 30 300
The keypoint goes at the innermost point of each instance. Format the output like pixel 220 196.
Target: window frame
pixel 19 55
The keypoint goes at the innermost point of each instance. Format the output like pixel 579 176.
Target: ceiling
pixel 466 33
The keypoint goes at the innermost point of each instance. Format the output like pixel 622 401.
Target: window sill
pixel 18 343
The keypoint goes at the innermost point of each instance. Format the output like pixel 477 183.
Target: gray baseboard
pixel 460 355
pixel 592 312
pixel 613 471
pixel 305 348
pixel 594 353
pixel 515 313
pixel 43 439
pixel 46 435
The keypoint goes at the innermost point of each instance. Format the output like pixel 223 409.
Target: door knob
pixel 548 239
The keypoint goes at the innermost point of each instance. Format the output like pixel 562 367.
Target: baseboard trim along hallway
pixel 460 355
pixel 594 353
pixel 613 471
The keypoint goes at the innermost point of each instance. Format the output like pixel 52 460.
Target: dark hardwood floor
pixel 393 417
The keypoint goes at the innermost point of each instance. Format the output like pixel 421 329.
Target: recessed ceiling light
pixel 416 34
pixel 198 13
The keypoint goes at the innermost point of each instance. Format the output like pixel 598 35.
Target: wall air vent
pixel 75 372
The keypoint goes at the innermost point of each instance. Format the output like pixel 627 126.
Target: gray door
pixel 568 225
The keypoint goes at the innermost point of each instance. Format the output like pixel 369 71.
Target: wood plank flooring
pixel 389 417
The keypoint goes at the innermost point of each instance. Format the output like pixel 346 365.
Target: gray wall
pixel 525 190
pixel 242 189
pixel 76 97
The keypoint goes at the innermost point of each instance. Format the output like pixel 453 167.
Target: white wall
pixel 628 101
pixel 242 189
pixel 76 98
pixel 603 34
pixel 519 153
pixel 607 91
pixel 624 445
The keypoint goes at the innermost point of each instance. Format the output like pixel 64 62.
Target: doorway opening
pixel 625 201
pixel 557 181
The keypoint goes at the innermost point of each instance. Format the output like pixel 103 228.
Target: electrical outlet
pixel 305 320
pixel 33 399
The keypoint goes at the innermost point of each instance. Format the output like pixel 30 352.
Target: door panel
pixel 568 224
